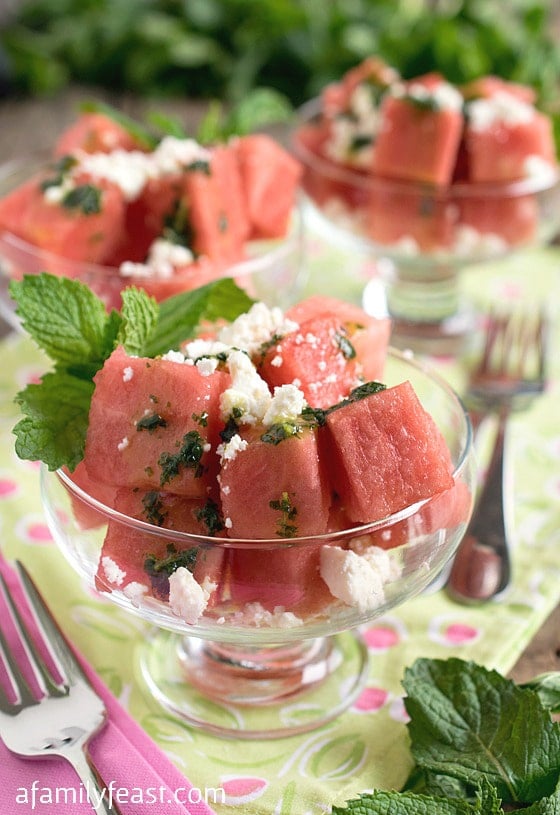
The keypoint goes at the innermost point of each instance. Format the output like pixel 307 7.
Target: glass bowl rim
pixel 279 247
pixel 288 543
pixel 367 181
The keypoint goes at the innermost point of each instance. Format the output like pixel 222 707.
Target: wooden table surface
pixel 28 125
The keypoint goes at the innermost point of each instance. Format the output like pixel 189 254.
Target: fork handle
pixel 481 569
pixel 98 796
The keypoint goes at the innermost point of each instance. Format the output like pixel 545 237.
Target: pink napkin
pixel 142 778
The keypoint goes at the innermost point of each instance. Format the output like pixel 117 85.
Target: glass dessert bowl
pixel 259 638
pixel 268 268
pixel 421 236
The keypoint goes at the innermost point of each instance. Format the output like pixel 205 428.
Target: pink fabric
pixel 125 755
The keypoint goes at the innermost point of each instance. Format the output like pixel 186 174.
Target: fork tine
pixel 20 686
pixel 65 662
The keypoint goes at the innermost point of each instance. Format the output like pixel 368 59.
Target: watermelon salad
pixel 425 166
pixel 273 427
pixel 117 209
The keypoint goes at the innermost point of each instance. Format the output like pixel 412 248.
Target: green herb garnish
pixel 210 515
pixel 188 457
pixel 151 422
pixel 153 508
pixel 346 348
pixel 280 432
pixel 482 746
pixel 71 325
pixel 85 197
pixel 286 527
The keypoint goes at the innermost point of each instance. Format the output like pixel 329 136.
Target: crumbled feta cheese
pixel 277 361
pixel 255 327
pixel 112 571
pixel 135 592
pixel 229 450
pixel 255 614
pixel 128 373
pixel 502 108
pixel 228 523
pixel 538 167
pixel 285 406
pixel 172 155
pixel 248 394
pixel 122 445
pixel 443 95
pixel 205 348
pixel 207 365
pixel 356 579
pixel 187 598
pixel 127 169
pixel 175 356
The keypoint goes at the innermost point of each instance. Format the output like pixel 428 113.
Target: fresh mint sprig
pixel 71 325
pixel 482 745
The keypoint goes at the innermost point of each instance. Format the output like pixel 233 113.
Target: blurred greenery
pixel 223 48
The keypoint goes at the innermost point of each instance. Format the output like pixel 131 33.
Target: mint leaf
pixel 407 803
pixel 139 315
pixel 475 725
pixel 181 314
pixel 65 318
pixel 547 686
pixel 54 427
pixel 546 806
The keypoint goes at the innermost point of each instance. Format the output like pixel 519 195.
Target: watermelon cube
pixel 416 219
pixel 270 177
pixel 71 228
pixel 386 453
pixel 155 423
pixel 215 202
pixel 420 132
pixel 96 133
pixel 511 221
pixel 285 479
pixel 368 335
pixel 506 139
pixel 127 552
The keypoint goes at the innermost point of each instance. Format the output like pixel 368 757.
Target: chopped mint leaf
pixel 547 686
pixel 141 134
pixel 139 315
pixel 85 197
pixel 180 315
pixel 65 318
pixel 475 725
pixel 54 427
pixel 258 109
pixel 168 125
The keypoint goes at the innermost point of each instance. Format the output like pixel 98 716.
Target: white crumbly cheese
pixel 502 108
pixel 443 95
pixel 255 614
pixel 286 405
pixel 257 326
pixel 162 261
pixel 122 445
pixel 127 374
pixel 175 356
pixel 135 592
pixel 54 193
pixel 229 450
pixel 207 365
pixel 248 397
pixel 172 155
pixel 127 169
pixel 352 136
pixel 540 168
pixel 469 241
pixel 187 598
pixel 205 348
pixel 356 579
pixel 112 571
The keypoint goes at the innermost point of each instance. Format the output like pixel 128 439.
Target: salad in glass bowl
pixel 427 178
pixel 113 207
pixel 256 492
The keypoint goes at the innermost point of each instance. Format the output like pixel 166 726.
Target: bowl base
pixel 254 692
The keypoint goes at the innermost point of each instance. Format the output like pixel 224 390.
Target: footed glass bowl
pixel 271 271
pixel 420 235
pixel 261 637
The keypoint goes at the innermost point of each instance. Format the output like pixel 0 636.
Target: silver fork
pixel 61 720
pixel 510 373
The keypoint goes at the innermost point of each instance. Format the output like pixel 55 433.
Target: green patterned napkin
pixel 367 746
